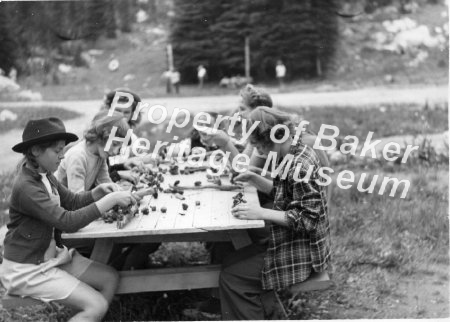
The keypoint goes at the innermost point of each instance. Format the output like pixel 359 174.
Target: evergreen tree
pixel 110 19
pixel 191 38
pixel 101 19
pixel 8 52
pixel 327 30
pixel 38 29
pixel 289 36
pixel 301 33
pixel 231 28
pixel 126 14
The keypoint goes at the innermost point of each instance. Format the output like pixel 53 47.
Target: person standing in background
pixel 166 76
pixel 175 78
pixel 201 74
pixel 280 71
pixel 13 74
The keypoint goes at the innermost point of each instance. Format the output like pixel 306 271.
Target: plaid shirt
pixel 304 245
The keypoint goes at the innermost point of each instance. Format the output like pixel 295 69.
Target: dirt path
pixel 316 99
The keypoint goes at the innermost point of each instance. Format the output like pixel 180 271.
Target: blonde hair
pixel 102 124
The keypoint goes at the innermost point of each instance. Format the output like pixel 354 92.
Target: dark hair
pixel 109 97
pixel 254 97
pixel 214 115
pixel 102 125
pixel 28 156
pixel 268 118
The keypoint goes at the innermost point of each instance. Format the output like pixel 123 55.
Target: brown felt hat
pixel 43 130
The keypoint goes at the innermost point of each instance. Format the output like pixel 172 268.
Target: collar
pixel 35 174
pixel 293 149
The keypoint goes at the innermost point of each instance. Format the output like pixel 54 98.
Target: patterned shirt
pixel 304 245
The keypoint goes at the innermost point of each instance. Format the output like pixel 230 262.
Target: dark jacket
pixel 33 216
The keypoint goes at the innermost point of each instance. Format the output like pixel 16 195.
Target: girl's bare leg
pixel 103 278
pixel 90 304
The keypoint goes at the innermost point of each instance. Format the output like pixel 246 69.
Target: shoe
pixel 211 305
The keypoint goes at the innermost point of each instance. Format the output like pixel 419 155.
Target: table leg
pixel 102 250
pixel 240 238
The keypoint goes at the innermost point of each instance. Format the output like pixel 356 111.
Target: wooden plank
pixel 202 216
pixel 185 218
pixel 240 238
pixel 102 250
pixel 103 230
pixel 246 224
pixel 221 208
pixel 198 236
pixel 167 220
pixel 150 221
pixel 169 279
pixel 210 186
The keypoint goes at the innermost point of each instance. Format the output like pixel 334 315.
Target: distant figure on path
pixel 280 71
pixel 166 77
pixel 175 78
pixel 13 74
pixel 201 74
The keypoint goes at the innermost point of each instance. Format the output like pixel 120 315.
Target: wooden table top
pixel 213 213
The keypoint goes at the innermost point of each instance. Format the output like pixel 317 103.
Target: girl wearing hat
pixel 35 263
pixel 299 239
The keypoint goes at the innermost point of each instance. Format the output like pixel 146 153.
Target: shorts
pixel 52 280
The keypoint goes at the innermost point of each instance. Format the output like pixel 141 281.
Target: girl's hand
pixel 220 138
pixel 254 169
pixel 246 211
pixel 123 198
pixel 120 198
pixel 103 189
pixel 132 162
pixel 246 176
pixel 128 175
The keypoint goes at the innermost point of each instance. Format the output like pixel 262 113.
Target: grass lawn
pixel 380 245
pixel 390 255
pixel 384 120
pixel 24 114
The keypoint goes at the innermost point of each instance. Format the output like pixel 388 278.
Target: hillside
pixel 362 61
pixel 358 63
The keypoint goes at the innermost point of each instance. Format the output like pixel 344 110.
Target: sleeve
pixel 76 173
pixel 256 159
pixel 33 201
pixel 73 201
pixel 116 167
pixel 103 174
pixel 305 209
pixel 113 170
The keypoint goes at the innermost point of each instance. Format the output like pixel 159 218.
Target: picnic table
pixel 209 220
